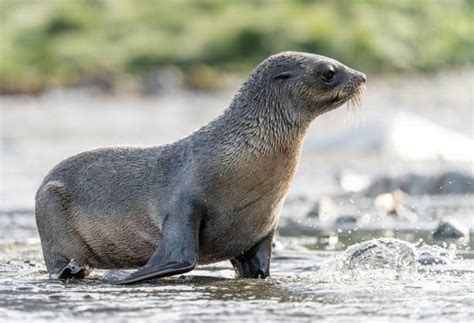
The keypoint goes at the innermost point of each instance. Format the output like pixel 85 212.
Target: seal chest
pixel 214 195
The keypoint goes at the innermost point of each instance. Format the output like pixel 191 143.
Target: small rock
pixel 184 279
pixel 414 184
pixel 314 211
pixel 427 260
pixel 450 229
pixel 114 276
pixel 346 219
pixel 385 253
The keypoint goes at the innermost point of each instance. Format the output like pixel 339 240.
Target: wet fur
pixel 106 208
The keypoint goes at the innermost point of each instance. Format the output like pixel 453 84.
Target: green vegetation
pixel 47 43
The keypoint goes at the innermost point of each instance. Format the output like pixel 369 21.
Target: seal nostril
pixel 363 77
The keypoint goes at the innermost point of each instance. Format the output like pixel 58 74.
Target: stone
pixel 450 229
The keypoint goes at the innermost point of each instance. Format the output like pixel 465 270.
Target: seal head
pixel 305 83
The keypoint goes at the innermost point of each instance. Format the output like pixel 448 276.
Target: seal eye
pixel 328 75
pixel 283 75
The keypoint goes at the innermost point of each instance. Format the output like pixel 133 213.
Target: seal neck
pixel 263 125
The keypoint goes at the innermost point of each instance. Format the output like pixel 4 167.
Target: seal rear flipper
pixel 71 271
pixel 178 248
pixel 255 262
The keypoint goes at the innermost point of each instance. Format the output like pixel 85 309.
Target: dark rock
pixel 314 211
pixel 346 219
pixel 450 229
pixel 427 260
pixel 444 183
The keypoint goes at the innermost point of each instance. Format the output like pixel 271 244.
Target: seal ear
pixel 283 75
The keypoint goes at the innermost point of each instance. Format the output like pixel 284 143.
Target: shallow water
pixel 307 283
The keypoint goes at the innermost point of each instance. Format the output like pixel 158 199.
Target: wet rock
pixel 314 211
pixel 445 183
pixel 435 255
pixel 450 229
pixel 113 276
pixel 397 134
pixel 346 220
pixel 184 279
pixel 386 253
pixel 427 260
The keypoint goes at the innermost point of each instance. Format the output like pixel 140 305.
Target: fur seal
pixel 214 195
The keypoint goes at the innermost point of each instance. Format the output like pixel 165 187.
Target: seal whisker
pixel 354 105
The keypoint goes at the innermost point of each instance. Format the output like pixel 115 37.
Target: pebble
pixel 450 229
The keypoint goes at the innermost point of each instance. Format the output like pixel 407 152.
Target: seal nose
pixel 362 77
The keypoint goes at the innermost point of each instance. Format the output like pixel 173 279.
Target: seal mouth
pixel 352 94
pixel 355 98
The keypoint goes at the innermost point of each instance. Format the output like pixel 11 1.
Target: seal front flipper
pixel 255 262
pixel 178 249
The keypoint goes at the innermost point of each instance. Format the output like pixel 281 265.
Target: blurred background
pixel 125 43
pixel 81 74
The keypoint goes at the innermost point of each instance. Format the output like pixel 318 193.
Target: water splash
pixel 381 260
pixel 373 260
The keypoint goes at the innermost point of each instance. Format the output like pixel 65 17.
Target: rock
pixel 398 134
pixel 435 255
pixel 413 184
pixel 345 220
pixel 386 253
pixel 427 260
pixel 314 211
pixel 113 276
pixel 450 229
